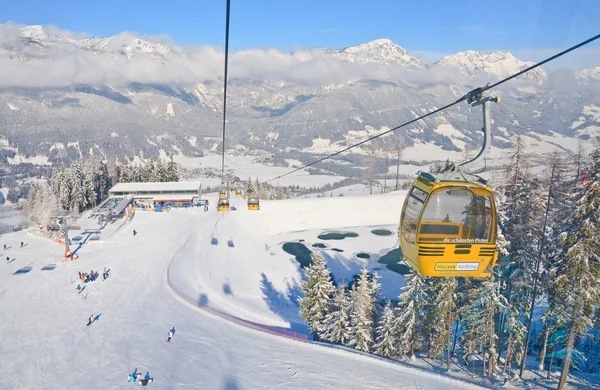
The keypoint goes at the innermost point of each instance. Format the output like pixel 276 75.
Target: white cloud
pixel 69 58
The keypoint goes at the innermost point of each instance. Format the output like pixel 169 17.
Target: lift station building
pixel 175 194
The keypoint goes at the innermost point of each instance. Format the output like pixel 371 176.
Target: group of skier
pixel 6 247
pixel 136 376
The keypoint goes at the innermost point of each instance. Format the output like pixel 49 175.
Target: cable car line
pixel 472 94
pixel 225 93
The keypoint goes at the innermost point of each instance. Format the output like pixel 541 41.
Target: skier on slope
pixel 134 232
pixel 169 335
pixel 90 320
pixel 5 247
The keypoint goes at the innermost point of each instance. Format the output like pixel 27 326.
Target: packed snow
pixel 47 345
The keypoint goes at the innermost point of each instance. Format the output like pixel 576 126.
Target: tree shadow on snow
pixel 230 384
pixel 285 305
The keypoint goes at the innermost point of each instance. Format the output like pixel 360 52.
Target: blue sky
pixel 430 28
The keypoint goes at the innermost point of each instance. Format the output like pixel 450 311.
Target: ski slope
pixel 45 344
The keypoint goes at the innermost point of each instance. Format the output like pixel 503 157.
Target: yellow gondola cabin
pixel 449 228
pixel 223 204
pixel 253 204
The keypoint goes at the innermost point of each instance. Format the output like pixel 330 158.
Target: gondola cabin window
pixel 412 212
pixel 455 215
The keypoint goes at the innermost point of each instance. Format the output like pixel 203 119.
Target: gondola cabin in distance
pixel 223 204
pixel 448 221
pixel 253 204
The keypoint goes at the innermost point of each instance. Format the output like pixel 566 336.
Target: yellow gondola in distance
pixel 223 204
pixel 223 194
pixel 448 221
pixel 253 204
pixel 238 193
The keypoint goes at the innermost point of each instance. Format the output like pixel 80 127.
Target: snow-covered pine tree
pixel 78 192
pixel 172 173
pixel 361 316
pixel 160 171
pixel 90 180
pixel 410 318
pixel 522 211
pixel 104 182
pixel 479 324
pixel 385 335
pixel 250 188
pixel 516 337
pixel 577 286
pixel 444 294
pixel 137 174
pixel 555 209
pixel 151 172
pixel 125 174
pixel 317 289
pixel 336 326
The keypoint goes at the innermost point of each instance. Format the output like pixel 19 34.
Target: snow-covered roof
pixel 164 186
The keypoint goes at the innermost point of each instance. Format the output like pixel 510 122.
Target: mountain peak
pixel 592 74
pixel 381 50
pixel 36 32
pixel 500 64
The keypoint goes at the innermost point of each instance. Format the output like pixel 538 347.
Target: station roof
pixel 161 186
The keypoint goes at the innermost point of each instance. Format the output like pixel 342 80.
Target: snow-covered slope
pixel 45 343
pixel 499 64
pixel 379 50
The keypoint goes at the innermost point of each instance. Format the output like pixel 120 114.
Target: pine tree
pixel 386 343
pixel 78 199
pixel 410 321
pixel 444 291
pixel 125 174
pixel 317 289
pixel 90 182
pixel 172 172
pixel 104 182
pixel 250 188
pixel 478 321
pixel 160 172
pixel 578 274
pixel 361 316
pixel 516 337
pixel 523 210
pixel 336 326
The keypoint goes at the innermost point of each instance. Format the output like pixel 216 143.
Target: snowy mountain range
pixel 63 96
pixel 379 51
pixel 500 64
